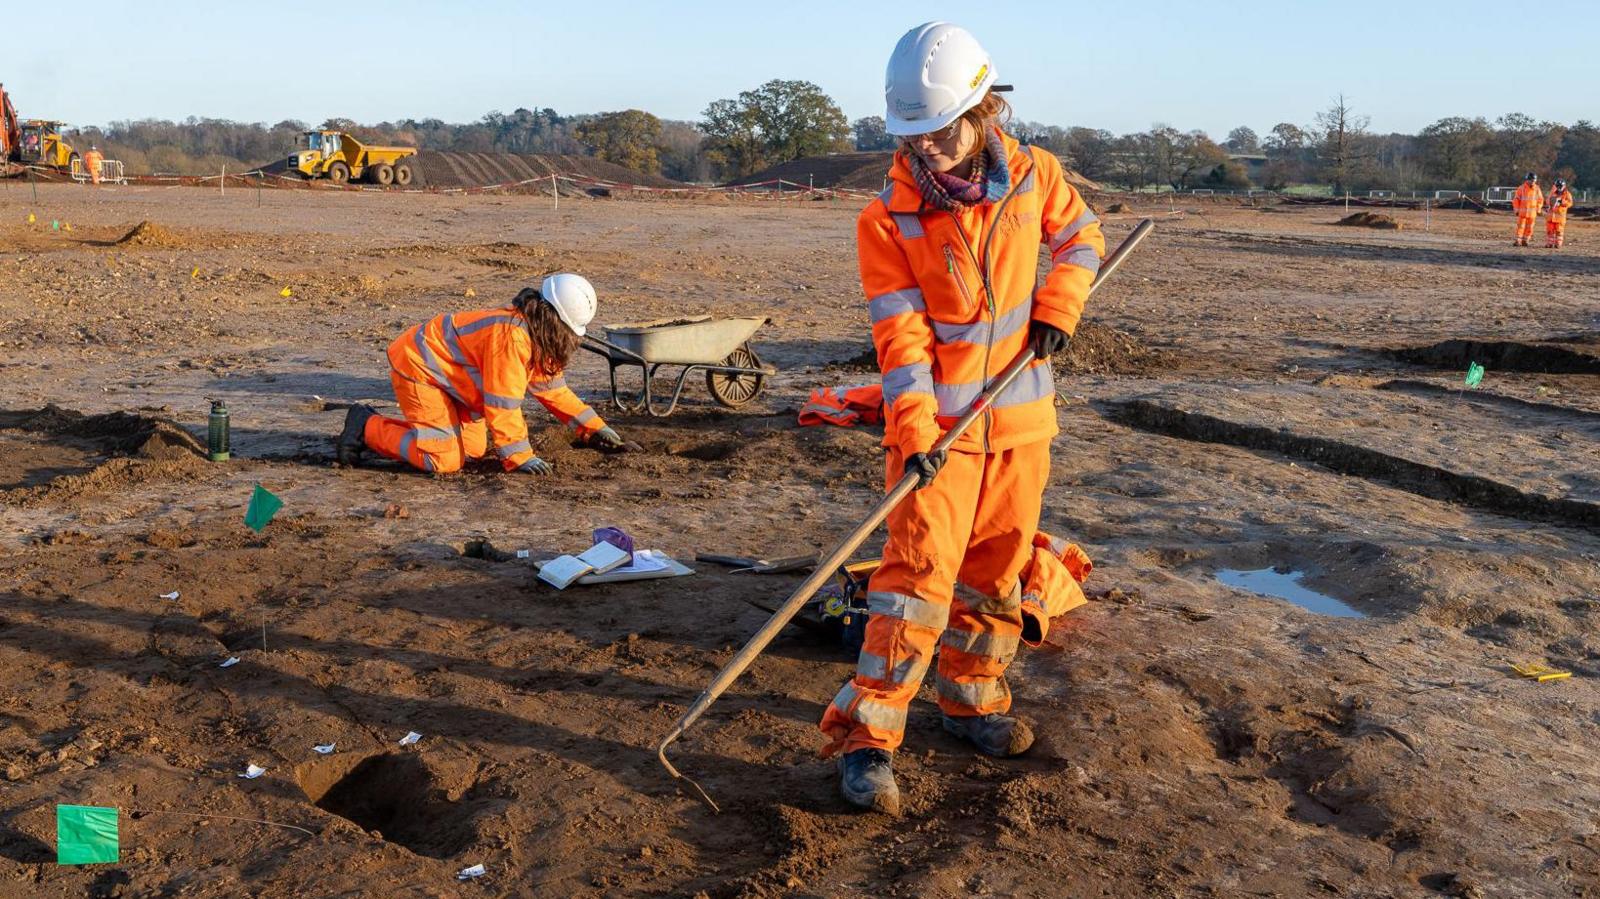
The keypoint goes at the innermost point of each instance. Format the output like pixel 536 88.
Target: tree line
pixel 784 120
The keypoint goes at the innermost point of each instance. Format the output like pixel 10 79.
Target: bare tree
pixel 1343 143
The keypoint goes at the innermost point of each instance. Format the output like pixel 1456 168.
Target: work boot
pixel 352 441
pixel 994 734
pixel 867 780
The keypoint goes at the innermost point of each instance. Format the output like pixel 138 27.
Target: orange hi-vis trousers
pixel 1525 227
pixel 436 434
pixel 1555 233
pixel 974 524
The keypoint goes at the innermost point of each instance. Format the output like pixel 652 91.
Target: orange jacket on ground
pixel 482 360
pixel 937 336
pixel 1527 201
pixel 1051 584
pixel 844 406
pixel 1557 205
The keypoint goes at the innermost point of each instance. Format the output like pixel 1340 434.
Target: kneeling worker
pixel 460 379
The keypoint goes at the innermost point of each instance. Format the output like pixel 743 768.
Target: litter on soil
pixel 1369 220
pixel 1285 584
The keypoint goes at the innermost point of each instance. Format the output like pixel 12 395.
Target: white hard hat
pixel 573 299
pixel 937 72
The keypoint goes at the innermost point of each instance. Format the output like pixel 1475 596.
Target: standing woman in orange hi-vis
pixel 460 380
pixel 91 163
pixel 1555 215
pixel 1526 203
pixel 949 259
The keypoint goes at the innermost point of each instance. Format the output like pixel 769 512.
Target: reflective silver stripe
pixel 582 418
pixel 452 340
pixel 1083 256
pixel 909 609
pixel 994 646
pixel 885 194
pixel 894 303
pixel 1033 599
pixel 910 226
pixel 1008 324
pixel 554 383
pixel 485 322
pixel 424 433
pixel 872 714
pixel 409 440
pixel 909 671
pixel 1058 545
pixel 521 446
pixel 1027 181
pixel 1034 384
pixel 431 362
pixel 499 401
pixel 974 693
pixel 1060 238
pixel 914 378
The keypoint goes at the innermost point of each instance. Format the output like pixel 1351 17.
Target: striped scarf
pixel 942 190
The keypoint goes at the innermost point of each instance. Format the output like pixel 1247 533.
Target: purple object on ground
pixel 616 537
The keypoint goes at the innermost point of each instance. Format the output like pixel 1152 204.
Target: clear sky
pixel 1116 65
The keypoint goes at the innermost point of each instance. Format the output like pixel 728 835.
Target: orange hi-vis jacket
pixel 91 164
pixel 844 406
pixel 1527 201
pixel 951 296
pixel 483 361
pixel 1559 202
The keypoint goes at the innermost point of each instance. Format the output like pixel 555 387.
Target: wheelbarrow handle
pixel 858 535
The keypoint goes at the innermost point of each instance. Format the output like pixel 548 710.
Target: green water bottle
pixel 217 431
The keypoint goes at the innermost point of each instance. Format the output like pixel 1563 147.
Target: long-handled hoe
pixel 737 665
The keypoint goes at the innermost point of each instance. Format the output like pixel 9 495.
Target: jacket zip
pixel 985 240
pixel 961 282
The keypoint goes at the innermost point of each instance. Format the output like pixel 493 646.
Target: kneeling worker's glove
pixel 1047 340
pixel 925 466
pixel 606 439
pixel 535 465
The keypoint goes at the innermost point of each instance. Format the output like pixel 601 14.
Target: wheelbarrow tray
pixel 701 340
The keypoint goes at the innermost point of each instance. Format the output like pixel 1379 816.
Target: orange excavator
pixel 35 142
pixel 10 129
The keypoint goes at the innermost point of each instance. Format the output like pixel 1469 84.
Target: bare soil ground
pixel 1290 405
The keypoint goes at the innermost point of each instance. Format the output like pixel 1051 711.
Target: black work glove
pixel 1047 340
pixel 925 466
pixel 606 439
pixel 535 465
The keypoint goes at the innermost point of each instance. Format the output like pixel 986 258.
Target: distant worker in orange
pixel 460 380
pixel 91 163
pixel 1526 203
pixel 949 255
pixel 1555 215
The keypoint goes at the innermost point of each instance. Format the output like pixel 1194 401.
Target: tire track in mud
pixel 1413 477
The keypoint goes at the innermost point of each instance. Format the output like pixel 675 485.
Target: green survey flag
pixel 86 835
pixel 1474 374
pixel 263 505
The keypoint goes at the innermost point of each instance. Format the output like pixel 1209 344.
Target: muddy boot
pixel 867 780
pixel 994 734
pixel 352 443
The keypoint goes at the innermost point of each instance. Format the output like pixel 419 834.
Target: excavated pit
pixel 429 808
pixel 1563 356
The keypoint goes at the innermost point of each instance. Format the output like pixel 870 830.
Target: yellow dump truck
pixel 42 144
pixel 340 157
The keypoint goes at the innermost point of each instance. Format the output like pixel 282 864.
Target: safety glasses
pixel 943 134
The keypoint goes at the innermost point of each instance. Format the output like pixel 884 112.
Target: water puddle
pixel 1285 584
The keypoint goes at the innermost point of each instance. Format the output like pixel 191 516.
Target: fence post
pixel 555 191
pixel 1427 214
pixel 222 185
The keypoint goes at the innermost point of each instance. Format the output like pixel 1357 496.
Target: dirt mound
pixel 1096 349
pixel 56 453
pixel 1369 220
pixel 150 234
pixel 1116 208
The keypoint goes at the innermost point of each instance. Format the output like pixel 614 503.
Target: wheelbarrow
pixel 719 347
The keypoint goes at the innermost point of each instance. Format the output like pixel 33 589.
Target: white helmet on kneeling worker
pixel 573 298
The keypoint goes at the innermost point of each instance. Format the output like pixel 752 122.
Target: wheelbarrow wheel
pixel 735 389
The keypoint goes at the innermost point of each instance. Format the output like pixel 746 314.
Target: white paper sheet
pixel 469 873
pixel 643 560
pixel 324 749
pixel 172 595
pixel 410 738
pixel 561 571
pixel 253 771
pixel 229 662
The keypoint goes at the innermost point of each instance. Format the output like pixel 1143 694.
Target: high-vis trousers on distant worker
pixel 1555 234
pixel 1524 228
pixel 975 523
pixel 435 435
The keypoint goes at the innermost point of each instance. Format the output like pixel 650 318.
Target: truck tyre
pixel 75 160
pixel 339 173
pixel 381 174
pixel 403 173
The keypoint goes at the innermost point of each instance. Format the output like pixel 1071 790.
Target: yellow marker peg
pixel 31 219
pixel 195 273
pixel 286 292
pixel 1539 671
